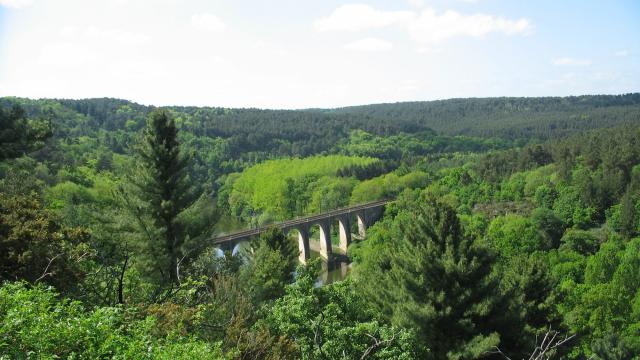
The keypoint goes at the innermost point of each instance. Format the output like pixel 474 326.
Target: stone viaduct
pixel 364 214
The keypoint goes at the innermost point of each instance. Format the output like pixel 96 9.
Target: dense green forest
pixel 514 230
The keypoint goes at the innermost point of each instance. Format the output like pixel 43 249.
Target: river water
pixel 333 271
pixel 336 270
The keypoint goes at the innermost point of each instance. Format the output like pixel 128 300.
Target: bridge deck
pixel 292 223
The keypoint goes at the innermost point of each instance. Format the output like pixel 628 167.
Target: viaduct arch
pixel 365 215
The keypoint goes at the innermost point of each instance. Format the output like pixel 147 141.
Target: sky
pixel 316 53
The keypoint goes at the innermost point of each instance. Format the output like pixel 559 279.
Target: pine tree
pixel 627 215
pixel 163 186
pixel 442 286
pixel 17 135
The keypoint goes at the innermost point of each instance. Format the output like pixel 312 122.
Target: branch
pixel 317 337
pixel 178 269
pixel 45 273
pixel 376 345
pixel 548 343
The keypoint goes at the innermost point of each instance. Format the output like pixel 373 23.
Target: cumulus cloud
pixel 356 17
pixel 431 28
pixel 567 61
pixel 370 45
pixel 208 22
pixel 426 27
pixel 16 4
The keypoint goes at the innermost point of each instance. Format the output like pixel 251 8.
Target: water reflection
pixel 332 271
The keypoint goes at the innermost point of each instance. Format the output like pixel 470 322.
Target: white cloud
pixel 16 4
pixel 432 28
pixel 621 53
pixel 370 45
pixel 425 27
pixel 208 22
pixel 356 17
pixel 113 35
pixel 567 61
pixel 416 3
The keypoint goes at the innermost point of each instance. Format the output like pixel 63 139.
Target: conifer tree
pixel 441 284
pixel 17 135
pixel 163 186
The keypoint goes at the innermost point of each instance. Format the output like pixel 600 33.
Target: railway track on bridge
pixel 216 240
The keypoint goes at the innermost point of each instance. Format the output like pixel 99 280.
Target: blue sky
pixel 329 53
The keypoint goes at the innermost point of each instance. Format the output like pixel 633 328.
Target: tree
pixel 163 185
pixel 272 265
pixel 333 322
pixel 627 215
pixel 17 136
pixel 440 282
pixel 36 248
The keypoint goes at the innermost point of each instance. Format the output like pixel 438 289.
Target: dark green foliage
pixel 515 118
pixel 549 224
pixel 441 283
pixel 580 241
pixel 530 276
pixel 36 248
pixel 17 136
pixel 612 347
pixel 164 189
pixel 367 171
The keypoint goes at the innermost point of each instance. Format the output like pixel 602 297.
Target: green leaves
pixel 34 322
pixel 434 279
pixel 332 322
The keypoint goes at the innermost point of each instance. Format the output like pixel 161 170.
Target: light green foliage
pixel 35 322
pixel 332 322
pixel 545 196
pixel 387 186
pixel 270 187
pixel 542 176
pixel 330 193
pixel 513 188
pixel 607 301
pixel 271 266
pixel 515 234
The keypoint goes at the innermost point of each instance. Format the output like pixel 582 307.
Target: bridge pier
pixel 304 249
pixel 362 224
pixel 344 226
pixel 325 239
pixel 366 214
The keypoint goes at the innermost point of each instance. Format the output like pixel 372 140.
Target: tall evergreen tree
pixel 163 186
pixel 17 135
pixel 440 282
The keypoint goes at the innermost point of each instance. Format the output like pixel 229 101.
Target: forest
pixel 513 230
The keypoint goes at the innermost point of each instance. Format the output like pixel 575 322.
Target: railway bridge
pixel 364 214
